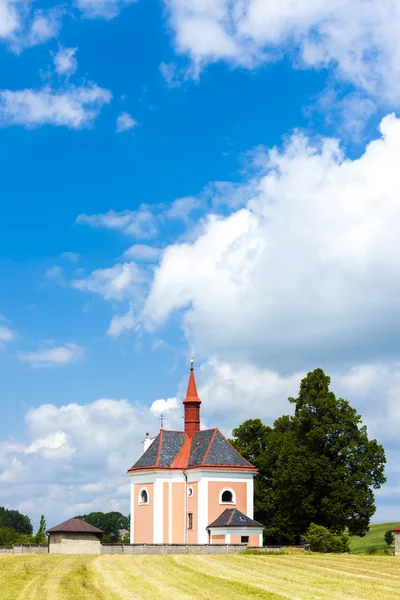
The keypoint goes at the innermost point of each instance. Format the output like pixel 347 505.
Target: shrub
pixel 320 539
pixel 389 537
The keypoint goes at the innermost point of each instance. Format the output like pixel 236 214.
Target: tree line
pixel 315 467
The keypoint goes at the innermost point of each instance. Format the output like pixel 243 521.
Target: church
pixel 192 486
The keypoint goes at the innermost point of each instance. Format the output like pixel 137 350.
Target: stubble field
pixel 234 577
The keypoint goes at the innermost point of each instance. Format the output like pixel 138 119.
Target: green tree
pixel 111 523
pixel 40 537
pixel 8 536
pixel 13 519
pixel 317 466
pixel 389 537
pixel 320 539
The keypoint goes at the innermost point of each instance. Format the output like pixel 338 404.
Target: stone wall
pixel 130 549
pixel 74 543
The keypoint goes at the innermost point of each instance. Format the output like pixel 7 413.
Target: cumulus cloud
pixel 6 334
pixel 22 28
pixel 9 19
pixel 72 257
pixel 53 356
pixel 105 9
pixel 171 74
pixel 119 282
pixel 307 269
pixel 357 39
pixel 142 253
pixel 72 107
pixel 125 122
pixel 55 272
pixel 122 323
pixel 65 63
pixel 140 223
pixel 163 407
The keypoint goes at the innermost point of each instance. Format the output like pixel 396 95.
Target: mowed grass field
pixel 373 539
pixel 233 577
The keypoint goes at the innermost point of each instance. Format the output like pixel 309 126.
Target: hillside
pixel 374 538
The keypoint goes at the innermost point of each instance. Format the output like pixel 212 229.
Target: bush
pixel 320 539
pixel 389 537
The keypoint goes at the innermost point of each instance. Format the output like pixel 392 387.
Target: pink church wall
pixel 218 539
pixel 214 489
pixel 166 512
pixel 143 528
pixel 253 539
pixel 178 512
pixel 193 502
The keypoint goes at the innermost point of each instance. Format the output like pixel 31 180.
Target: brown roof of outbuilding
pixel 74 526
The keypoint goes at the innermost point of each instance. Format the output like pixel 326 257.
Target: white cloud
pixel 125 122
pixel 171 74
pixel 307 269
pixel 9 19
pixel 52 356
pixel 65 63
pixel 55 272
pixel 357 39
pixel 142 253
pixel 106 9
pixel 72 257
pixel 140 223
pixel 54 446
pixel 122 323
pixel 119 282
pixel 6 334
pixel 163 407
pixel 73 107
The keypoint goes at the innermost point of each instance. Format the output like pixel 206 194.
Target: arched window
pixel 143 496
pixel 227 496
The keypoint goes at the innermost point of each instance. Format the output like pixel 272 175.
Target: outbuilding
pixel 397 541
pixel 74 537
pixel 234 527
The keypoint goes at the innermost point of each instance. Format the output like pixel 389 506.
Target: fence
pixel 130 549
pixel 24 549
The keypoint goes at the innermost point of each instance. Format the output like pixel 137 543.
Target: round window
pixel 190 492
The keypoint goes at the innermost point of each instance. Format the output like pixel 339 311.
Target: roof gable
pixel 176 450
pixel 222 453
pixel 232 517
pixel 74 526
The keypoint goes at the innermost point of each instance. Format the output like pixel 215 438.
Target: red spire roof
pixel 191 394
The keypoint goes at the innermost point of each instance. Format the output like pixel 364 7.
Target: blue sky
pixel 217 176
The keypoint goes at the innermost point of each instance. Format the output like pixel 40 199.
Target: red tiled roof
pixel 397 530
pixel 191 394
pixel 74 526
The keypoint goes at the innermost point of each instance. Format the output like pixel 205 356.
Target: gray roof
pixel 232 517
pixel 222 453
pixel 207 448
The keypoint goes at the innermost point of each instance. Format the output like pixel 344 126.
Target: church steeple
pixel 192 405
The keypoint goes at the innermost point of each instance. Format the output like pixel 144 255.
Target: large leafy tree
pixel 13 519
pixel 111 523
pixel 317 466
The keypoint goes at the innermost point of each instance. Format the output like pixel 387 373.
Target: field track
pixel 234 577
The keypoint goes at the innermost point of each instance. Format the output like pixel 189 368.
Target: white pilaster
pixel 132 533
pixel 228 538
pixel 169 512
pixel 250 498
pixel 202 510
pixel 158 512
pixel 260 539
